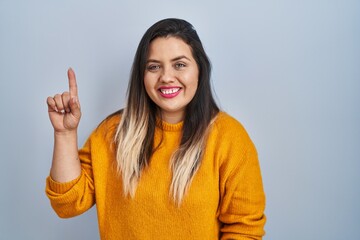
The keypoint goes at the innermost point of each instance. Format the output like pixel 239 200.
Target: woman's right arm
pixel 64 113
pixel 70 186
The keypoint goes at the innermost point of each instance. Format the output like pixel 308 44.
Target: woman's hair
pixel 135 133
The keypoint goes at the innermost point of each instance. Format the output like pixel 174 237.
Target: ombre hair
pixel 135 133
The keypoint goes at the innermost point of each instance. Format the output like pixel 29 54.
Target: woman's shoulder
pixel 225 121
pixel 227 126
pixel 109 124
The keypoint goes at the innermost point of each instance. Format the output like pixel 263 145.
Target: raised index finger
pixel 72 83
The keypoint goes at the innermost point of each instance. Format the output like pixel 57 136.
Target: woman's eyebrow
pixel 152 60
pixel 172 60
pixel 179 58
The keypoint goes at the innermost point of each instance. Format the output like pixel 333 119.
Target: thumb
pixel 75 107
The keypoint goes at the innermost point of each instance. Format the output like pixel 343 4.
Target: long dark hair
pixel 135 132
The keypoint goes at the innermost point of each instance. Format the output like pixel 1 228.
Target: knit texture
pixel 225 199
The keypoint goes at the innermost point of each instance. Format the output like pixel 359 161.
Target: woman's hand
pixel 64 109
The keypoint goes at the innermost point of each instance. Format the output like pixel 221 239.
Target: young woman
pixel 169 165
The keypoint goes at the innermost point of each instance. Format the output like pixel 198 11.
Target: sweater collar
pixel 169 127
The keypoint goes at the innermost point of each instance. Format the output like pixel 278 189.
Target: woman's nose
pixel 167 75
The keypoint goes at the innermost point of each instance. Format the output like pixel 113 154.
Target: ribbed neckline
pixel 170 127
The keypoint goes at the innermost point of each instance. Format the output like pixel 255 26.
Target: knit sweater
pixel 224 201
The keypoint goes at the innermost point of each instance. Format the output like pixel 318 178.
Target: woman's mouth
pixel 169 92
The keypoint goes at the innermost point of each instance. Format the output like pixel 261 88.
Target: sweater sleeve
pixel 73 198
pixel 242 202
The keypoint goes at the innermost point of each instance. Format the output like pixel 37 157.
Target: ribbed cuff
pixel 61 188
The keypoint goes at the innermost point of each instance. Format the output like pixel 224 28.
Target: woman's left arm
pixel 242 194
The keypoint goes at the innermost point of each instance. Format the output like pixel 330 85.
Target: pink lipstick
pixel 169 92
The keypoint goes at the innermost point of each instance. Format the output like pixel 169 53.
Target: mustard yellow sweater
pixel 225 200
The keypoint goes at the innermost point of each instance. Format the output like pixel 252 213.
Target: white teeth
pixel 169 90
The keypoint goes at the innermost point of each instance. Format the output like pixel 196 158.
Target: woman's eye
pixel 153 67
pixel 179 65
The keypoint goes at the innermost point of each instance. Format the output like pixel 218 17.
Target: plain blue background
pixel 288 70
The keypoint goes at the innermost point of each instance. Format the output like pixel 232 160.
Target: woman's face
pixel 171 76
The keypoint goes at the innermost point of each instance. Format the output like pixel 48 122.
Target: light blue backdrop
pixel 288 70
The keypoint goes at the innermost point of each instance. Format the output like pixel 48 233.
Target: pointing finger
pixel 72 83
pixel 75 107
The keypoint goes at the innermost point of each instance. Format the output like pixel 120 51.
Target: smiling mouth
pixel 169 91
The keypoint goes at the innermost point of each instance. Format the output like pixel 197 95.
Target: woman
pixel 169 165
